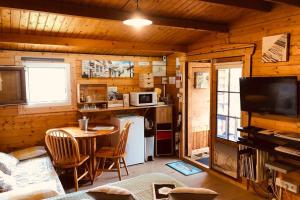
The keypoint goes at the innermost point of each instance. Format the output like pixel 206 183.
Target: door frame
pixel 187 77
pixel 243 50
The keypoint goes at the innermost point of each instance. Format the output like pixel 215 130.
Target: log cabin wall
pixel 19 128
pixel 251 28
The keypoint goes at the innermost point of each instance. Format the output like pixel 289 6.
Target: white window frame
pixel 227 65
pixel 66 66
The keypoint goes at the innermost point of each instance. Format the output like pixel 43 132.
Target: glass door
pixel 228 101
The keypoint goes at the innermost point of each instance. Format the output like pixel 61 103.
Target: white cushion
pixel 28 153
pixel 32 192
pixel 111 193
pixel 7 163
pixel 7 182
pixel 184 193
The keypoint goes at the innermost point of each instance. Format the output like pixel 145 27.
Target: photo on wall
pixel 107 68
pixel 275 48
pixel 201 80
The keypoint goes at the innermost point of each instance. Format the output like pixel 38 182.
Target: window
pixel 228 100
pixel 47 83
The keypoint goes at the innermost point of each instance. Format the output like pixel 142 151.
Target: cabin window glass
pixel 48 83
pixel 228 101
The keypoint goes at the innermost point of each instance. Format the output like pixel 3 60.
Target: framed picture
pixel 201 80
pixel 107 68
pixel 159 68
pixel 275 48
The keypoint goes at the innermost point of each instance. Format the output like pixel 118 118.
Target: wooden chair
pixel 64 150
pixel 116 153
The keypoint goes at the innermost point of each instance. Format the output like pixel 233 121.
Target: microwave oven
pixel 143 98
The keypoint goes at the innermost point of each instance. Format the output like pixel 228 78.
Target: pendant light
pixel 137 19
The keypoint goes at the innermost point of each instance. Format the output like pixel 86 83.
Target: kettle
pixel 148 124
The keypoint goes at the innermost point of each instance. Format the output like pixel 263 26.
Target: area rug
pixel 184 168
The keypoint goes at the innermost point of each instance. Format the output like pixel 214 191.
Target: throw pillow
pixel 37 191
pixel 111 193
pixel 28 153
pixel 7 182
pixel 183 193
pixel 7 163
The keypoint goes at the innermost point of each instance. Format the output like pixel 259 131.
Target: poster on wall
pixel 159 68
pixel 275 48
pixel 107 68
pixel 201 80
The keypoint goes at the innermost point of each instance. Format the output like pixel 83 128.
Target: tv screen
pixel 269 95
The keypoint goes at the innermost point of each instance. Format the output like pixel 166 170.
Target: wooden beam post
pixel 89 43
pixel 259 5
pixel 73 9
pixel 287 2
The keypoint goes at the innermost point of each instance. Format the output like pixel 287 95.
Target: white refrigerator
pixel 136 144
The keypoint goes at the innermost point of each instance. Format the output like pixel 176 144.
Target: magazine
pixel 161 190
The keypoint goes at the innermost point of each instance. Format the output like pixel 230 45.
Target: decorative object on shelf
pixel 172 80
pixel 112 93
pixel 159 68
pixel 158 91
pixel 275 48
pixel 201 80
pixel 107 68
pixel 146 80
pixel 126 100
pixel 164 80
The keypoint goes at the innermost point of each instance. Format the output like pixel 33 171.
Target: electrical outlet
pixel 287 185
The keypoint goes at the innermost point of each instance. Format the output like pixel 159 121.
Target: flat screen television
pixel 270 95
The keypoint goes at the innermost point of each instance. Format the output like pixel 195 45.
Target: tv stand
pixel 268 142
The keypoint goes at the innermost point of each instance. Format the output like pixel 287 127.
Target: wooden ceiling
pixel 95 26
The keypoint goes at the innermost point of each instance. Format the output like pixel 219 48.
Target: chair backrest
pixel 63 147
pixel 121 146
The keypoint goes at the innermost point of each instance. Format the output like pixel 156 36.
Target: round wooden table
pixel 89 142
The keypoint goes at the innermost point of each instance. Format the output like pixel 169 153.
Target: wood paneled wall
pixel 20 129
pixel 250 30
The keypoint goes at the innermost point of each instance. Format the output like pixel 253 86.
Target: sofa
pixel 34 177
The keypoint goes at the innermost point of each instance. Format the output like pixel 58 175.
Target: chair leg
pixel 89 172
pixel 117 161
pixel 75 179
pixel 125 165
pixel 103 163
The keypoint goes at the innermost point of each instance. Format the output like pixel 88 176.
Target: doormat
pixel 184 168
pixel 204 161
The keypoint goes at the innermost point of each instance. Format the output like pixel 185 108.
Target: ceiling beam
pixel 89 43
pixel 287 2
pixel 61 7
pixel 259 5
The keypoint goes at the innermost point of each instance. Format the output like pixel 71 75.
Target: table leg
pixel 93 158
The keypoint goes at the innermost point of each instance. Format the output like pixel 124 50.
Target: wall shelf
pixel 118 108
